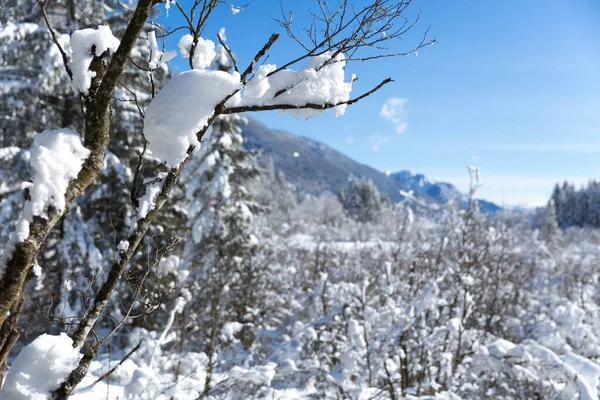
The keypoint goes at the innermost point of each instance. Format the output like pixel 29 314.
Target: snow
pixel 123 246
pixel 204 53
pixel 229 330
pixel 587 371
pixel 168 265
pixel 319 82
pixel 157 57
pixel 40 368
pixel 57 158
pixel 148 200
pixel 182 108
pixel 85 44
pixel 141 379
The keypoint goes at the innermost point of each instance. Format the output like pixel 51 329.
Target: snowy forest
pixel 146 253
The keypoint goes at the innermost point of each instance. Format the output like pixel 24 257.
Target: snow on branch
pixel 85 45
pixel 180 113
pixel 57 158
pixel 40 368
pixel 305 108
pixel 182 108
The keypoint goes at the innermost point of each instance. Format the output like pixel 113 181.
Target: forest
pixel 146 253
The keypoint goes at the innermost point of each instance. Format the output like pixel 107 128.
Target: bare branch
pixel 107 374
pixel 229 53
pixel 258 56
pixel 65 59
pixel 331 31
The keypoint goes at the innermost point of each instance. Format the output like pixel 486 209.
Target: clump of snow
pixel 57 158
pixel 319 82
pixel 182 108
pixel 168 265
pixel 157 57
pixel 36 270
pixel 204 53
pixel 85 44
pixel 229 330
pixel 148 200
pixel 123 246
pixel 40 368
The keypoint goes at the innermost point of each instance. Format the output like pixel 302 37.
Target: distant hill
pixel 315 167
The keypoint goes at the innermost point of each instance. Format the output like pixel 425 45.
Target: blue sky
pixel 512 87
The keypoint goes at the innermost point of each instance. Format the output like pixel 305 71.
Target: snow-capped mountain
pixel 441 192
pixel 315 167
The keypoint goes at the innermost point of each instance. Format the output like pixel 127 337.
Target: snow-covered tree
pixel 223 278
pixel 361 199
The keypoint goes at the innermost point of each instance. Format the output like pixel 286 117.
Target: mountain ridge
pixel 315 167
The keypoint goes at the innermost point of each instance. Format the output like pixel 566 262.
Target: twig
pixel 55 39
pixel 136 348
pixel 259 55
pixel 231 57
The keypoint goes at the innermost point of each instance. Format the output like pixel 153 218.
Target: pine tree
pixel 223 276
pixel 361 199
pixel 548 224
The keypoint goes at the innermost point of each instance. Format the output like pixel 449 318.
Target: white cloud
pixel 378 140
pixel 393 110
pixel 349 139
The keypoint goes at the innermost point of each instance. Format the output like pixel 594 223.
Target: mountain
pixel 315 167
pixel 440 192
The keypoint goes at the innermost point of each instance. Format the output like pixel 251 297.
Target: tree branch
pixel 314 106
pixel 65 59
pixel 258 56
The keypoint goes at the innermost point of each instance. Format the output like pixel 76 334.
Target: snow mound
pixel 85 44
pixel 40 368
pixel 182 108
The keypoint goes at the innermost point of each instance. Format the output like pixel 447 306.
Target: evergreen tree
pixel 548 224
pixel 361 199
pixel 223 278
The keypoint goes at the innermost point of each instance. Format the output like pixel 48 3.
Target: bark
pixel 64 391
pixel 9 333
